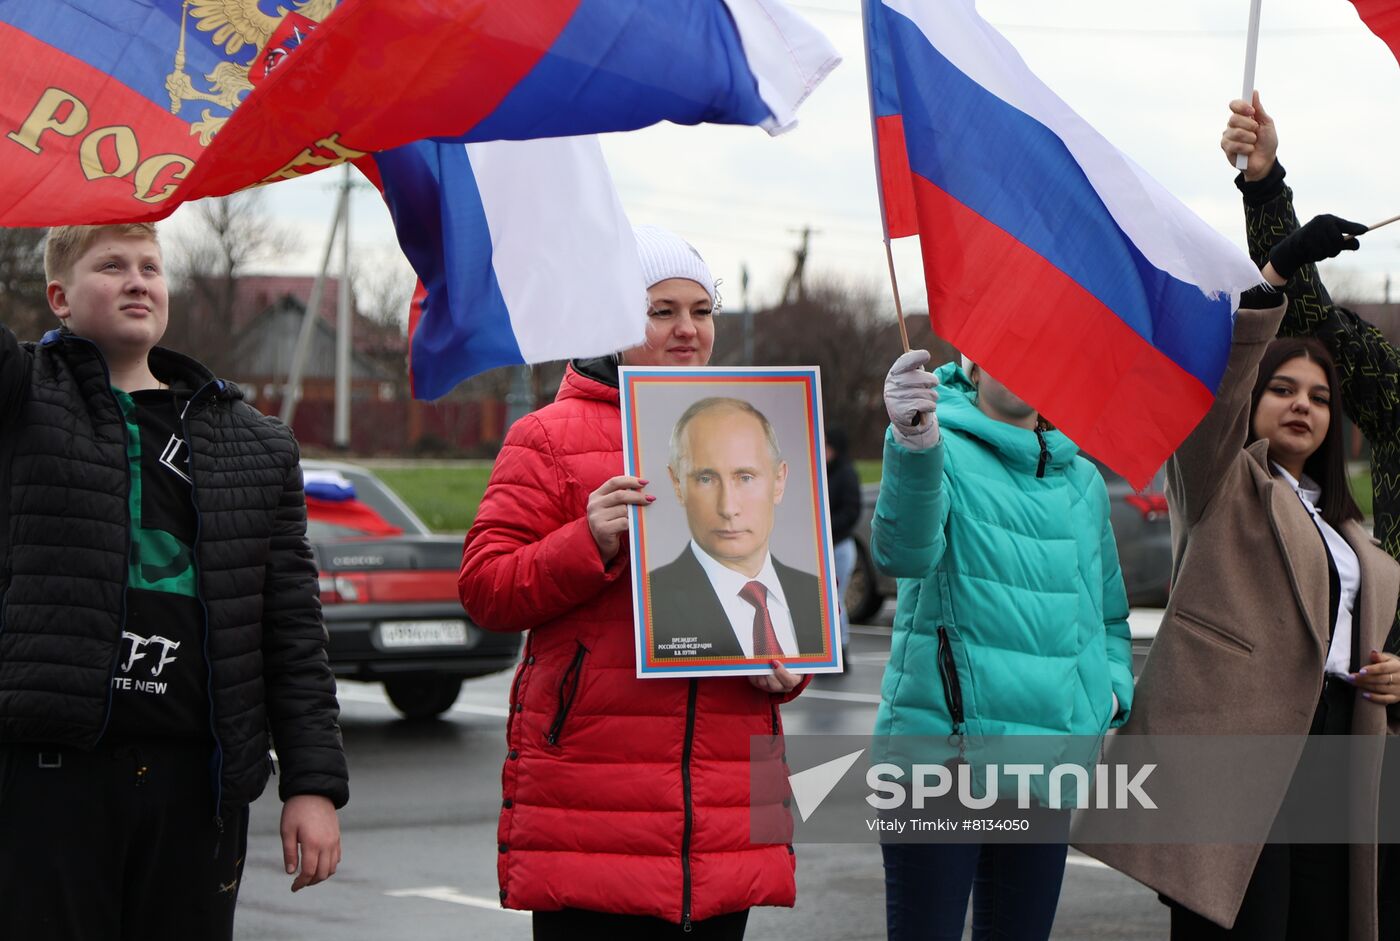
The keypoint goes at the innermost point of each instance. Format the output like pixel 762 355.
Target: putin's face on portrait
pixel 729 480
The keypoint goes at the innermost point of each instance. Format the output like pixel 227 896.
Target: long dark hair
pixel 1327 465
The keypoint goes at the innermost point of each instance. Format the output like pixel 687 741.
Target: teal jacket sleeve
pixel 907 537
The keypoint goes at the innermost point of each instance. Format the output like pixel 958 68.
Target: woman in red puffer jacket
pixel 626 805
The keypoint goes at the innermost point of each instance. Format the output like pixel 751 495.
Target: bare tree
pixel 1349 286
pixel 23 307
pixel 227 236
pixel 849 330
pixel 382 284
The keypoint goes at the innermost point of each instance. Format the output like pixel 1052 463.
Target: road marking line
pixel 353 695
pixel 868 658
pixel 872 631
pixel 445 893
pixel 840 697
pixel 1086 861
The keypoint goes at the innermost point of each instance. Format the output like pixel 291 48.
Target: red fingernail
pixel 651 498
pixel 643 482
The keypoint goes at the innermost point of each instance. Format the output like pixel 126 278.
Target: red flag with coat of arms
pixel 119 110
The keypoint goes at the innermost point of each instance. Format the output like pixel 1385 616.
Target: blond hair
pixel 66 243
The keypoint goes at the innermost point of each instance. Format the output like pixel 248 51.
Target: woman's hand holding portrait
pixel 607 512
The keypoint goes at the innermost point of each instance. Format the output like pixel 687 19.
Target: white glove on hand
pixel 910 396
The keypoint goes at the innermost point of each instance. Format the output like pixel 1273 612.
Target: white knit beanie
pixel 666 255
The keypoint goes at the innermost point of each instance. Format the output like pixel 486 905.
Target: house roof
pixel 255 294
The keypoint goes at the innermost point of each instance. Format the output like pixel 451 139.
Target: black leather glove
pixel 1323 237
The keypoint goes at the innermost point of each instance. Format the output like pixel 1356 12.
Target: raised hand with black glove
pixel 910 398
pixel 1323 237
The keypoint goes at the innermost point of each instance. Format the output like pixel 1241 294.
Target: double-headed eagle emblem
pixel 235 24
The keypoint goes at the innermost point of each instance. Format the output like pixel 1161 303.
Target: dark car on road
pixel 1140 527
pixel 389 593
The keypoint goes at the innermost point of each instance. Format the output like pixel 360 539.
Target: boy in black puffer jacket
pixel 159 615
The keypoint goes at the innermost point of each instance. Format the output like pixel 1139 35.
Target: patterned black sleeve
pixel 1369 364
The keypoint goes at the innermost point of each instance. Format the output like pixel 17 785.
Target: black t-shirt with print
pixel 160 687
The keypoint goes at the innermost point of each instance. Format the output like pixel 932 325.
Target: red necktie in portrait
pixel 765 639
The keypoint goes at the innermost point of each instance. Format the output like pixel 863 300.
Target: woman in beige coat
pixel 1280 597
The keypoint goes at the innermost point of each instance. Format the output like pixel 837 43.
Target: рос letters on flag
pixel 119 110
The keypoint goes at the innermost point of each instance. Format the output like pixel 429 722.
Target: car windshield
pixel 373 494
pixel 1157 484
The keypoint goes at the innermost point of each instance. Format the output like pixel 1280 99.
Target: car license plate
pixel 423 634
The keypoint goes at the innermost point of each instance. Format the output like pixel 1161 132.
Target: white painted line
pixel 1143 622
pixel 868 658
pixel 840 697
pixel 355 695
pixel 1087 861
pixel 500 712
pixel 444 893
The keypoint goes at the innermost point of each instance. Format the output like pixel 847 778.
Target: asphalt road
pixel 420 845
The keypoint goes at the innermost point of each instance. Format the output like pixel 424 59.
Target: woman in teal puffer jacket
pixel 1012 620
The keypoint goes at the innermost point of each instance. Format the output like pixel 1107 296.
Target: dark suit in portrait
pixel 684 605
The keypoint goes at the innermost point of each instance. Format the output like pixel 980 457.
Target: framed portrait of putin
pixel 731 563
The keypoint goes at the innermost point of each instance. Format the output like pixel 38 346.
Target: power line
pixel 1296 31
pixel 1164 33
pixel 762 219
pixel 740 202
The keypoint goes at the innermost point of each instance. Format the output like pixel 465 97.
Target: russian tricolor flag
pixel 1051 258
pixel 119 110
pixel 523 253
pixel 522 248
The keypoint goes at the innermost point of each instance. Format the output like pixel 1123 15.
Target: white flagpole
pixel 1251 55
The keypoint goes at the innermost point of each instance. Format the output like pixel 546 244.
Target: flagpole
pixel 879 186
pixel 1383 222
pixel 1251 56
pixel 898 308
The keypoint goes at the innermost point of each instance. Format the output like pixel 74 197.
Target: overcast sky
pixel 1152 78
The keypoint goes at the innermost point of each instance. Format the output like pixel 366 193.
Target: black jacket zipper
pixel 217 760
pixel 567 692
pixel 1044 454
pixel 689 812
pixel 126 579
pixel 952 687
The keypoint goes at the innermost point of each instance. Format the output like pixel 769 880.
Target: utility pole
pixel 748 314
pixel 343 328
pixel 520 400
pixel 291 394
pixel 796 287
